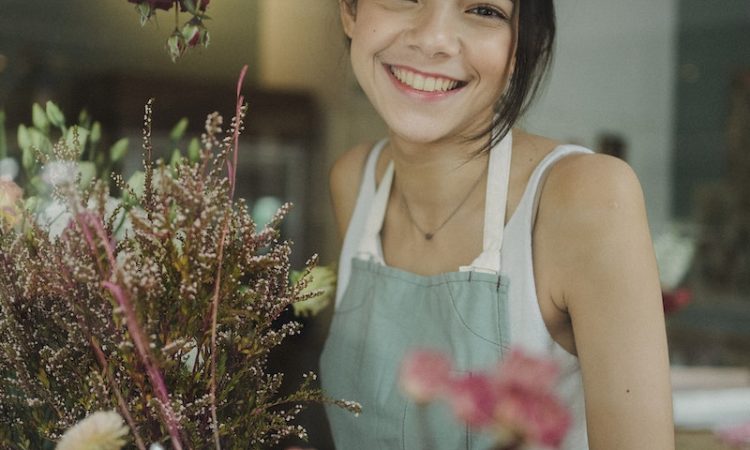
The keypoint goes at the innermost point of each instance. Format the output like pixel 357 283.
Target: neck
pixel 435 178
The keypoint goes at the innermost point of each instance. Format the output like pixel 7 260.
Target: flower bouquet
pixel 515 402
pixel 169 325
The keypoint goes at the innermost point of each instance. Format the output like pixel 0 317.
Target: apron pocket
pixel 481 314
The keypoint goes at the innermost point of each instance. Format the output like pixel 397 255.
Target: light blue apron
pixel 385 312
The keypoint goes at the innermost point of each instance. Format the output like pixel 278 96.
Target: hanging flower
pixel 176 45
pixel 195 33
pixel 192 34
pixel 102 430
pixel 166 5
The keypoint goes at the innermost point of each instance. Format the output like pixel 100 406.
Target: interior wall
pixel 614 72
pixel 305 48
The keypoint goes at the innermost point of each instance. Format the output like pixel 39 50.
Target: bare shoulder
pixel 591 218
pixel 598 266
pixel 345 178
pixel 591 182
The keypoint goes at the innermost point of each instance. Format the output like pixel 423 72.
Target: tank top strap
pixel 528 206
pixel 356 227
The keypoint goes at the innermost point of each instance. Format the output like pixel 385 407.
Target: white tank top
pixel 527 328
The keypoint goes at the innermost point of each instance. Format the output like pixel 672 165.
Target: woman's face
pixel 433 69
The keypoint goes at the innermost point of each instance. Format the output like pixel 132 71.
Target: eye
pixel 488 11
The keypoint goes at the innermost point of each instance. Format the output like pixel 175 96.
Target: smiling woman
pixel 467 236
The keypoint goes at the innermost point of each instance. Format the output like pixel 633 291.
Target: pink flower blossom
pixel 473 399
pixel 536 416
pixel 517 400
pixel 737 436
pixel 425 375
pixel 676 300
pixel 521 369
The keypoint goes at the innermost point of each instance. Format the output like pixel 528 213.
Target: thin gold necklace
pixel 428 235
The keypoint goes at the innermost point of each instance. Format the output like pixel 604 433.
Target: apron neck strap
pixel 496 199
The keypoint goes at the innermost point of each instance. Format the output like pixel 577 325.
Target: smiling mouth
pixel 423 82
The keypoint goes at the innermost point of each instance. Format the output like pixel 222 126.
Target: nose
pixel 434 32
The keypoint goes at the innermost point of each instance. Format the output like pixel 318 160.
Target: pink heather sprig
pixel 232 175
pixel 93 230
pixel 516 401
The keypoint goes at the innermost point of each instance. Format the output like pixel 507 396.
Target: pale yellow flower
pixel 323 279
pixel 10 194
pixel 102 430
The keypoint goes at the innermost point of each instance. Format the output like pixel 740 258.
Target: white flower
pixel 56 173
pixel 102 430
pixel 674 249
pixel 8 169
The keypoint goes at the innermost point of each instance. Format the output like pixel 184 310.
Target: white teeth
pixel 422 82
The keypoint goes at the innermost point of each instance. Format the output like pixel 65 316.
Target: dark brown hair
pixel 534 49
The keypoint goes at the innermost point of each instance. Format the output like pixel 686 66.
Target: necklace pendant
pixel 428 236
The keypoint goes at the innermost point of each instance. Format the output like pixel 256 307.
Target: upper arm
pixel 345 178
pixel 605 276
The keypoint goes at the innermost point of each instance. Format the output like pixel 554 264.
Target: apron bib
pixel 385 312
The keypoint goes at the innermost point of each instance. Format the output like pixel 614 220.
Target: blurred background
pixel 662 84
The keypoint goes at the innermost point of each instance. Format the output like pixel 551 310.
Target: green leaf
pixel 83 135
pixel 28 159
pixel 87 170
pixel 118 150
pixel 84 119
pixel 55 116
pixel 3 139
pixel 194 150
pixel 24 139
pixel 137 182
pixel 32 204
pixel 39 141
pixel 43 378
pixel 176 157
pixel 39 118
pixel 179 130
pixel 96 133
pixel 39 185
pixel 190 6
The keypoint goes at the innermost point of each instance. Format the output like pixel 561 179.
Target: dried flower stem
pixel 232 175
pixel 86 222
pixel 120 400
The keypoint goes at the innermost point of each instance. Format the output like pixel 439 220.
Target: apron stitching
pixel 461 319
pixel 403 426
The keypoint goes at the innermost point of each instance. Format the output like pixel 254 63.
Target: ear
pixel 348 16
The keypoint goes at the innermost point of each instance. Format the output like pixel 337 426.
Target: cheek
pixel 494 61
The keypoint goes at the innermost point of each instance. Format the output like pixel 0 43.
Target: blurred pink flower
pixel 473 399
pixel 736 436
pixel 534 416
pixel 425 375
pixel 676 300
pixel 517 400
pixel 521 369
